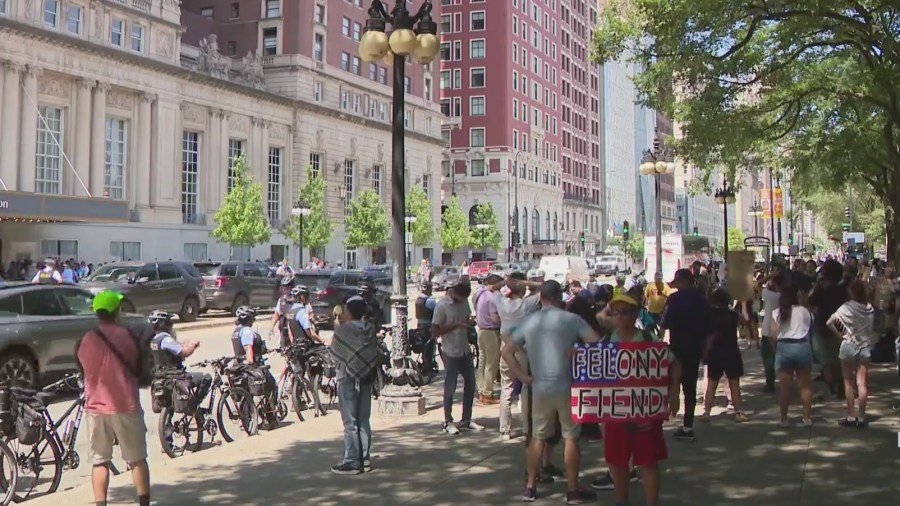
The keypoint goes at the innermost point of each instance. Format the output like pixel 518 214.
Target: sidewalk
pixel 755 463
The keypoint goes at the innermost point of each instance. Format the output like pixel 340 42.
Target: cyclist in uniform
pixel 299 323
pixel 169 354
pixel 425 304
pixel 374 313
pixel 48 275
pixel 283 314
pixel 249 347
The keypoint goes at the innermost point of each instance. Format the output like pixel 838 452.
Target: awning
pixel 39 207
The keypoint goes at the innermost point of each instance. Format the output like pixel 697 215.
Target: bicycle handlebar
pixel 64 382
pixel 215 362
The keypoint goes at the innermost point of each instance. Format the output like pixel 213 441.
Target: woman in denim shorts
pixel 790 336
pixel 854 323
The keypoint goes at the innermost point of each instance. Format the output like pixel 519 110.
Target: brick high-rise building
pixel 521 104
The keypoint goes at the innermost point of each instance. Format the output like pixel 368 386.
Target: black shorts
pixel 730 365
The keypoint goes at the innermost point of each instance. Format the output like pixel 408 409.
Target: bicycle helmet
pixel 365 287
pixel 245 315
pixel 287 280
pixel 299 290
pixel 620 279
pixel 160 319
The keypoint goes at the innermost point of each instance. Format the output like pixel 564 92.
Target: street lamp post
pixel 657 161
pixel 300 211
pixel 410 35
pixel 482 227
pixel 410 220
pixel 725 196
pixel 755 211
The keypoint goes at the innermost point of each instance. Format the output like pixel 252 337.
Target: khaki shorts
pixel 547 410
pixel 128 430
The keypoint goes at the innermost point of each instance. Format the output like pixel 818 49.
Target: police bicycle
pixel 296 385
pixel 183 419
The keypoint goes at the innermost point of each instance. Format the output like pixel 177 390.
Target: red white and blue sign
pixel 620 382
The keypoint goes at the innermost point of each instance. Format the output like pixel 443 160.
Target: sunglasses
pixel 624 312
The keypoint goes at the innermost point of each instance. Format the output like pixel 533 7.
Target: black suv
pixel 344 284
pixel 176 287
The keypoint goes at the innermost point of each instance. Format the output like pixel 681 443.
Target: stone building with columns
pixel 116 141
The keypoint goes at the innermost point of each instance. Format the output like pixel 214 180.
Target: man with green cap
pixel 109 358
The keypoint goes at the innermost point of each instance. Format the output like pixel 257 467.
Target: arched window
pixel 555 226
pixel 536 225
pixel 473 212
pixel 524 225
pixel 547 225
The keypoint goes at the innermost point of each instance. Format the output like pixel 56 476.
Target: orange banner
pixel 779 204
pixel 765 203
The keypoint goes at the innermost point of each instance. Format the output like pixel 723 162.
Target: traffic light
pixel 790 239
pixel 581 238
pixel 696 232
pixel 626 232
pixel 847 213
pixel 515 238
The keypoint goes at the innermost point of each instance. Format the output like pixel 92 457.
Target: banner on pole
pixel 779 204
pixel 765 202
pixel 620 382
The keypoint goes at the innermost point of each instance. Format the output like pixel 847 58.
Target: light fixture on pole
pixel 482 227
pixel 300 211
pixel 658 161
pixel 755 211
pixel 410 35
pixel 410 220
pixel 724 197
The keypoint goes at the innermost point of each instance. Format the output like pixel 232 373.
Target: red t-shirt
pixel 109 387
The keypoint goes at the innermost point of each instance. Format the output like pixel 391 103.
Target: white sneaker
pixel 450 428
pixel 504 436
pixel 470 425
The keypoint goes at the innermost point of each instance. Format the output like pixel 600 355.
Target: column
pixel 141 168
pixel 222 168
pixel 28 129
pixel 98 140
pixel 9 139
pixel 83 136
pixel 210 172
pixel 264 160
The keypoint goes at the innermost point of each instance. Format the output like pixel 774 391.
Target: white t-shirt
pixel 798 327
pixel 770 304
pixel 513 311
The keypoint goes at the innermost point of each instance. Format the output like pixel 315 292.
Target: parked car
pixel 564 268
pixel 480 270
pixel 534 271
pixel 445 276
pixel 230 285
pixel 170 286
pixel 39 326
pixel 343 284
pixel 316 280
pixel 610 265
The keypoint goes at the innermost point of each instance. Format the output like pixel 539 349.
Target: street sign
pixel 756 241
pixel 857 237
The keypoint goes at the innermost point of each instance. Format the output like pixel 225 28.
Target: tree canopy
pixel 454 230
pixel 367 223
pixel 491 236
pixel 418 205
pixel 805 87
pixel 242 221
pixel 317 228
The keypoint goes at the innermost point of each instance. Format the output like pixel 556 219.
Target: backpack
pixel 142 333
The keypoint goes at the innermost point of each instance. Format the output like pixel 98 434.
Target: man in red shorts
pixel 644 443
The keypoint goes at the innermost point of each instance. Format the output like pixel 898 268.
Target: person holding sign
pixel 624 442
pixel 549 337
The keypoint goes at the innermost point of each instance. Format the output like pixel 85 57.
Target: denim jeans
pixel 454 367
pixel 356 409
pixel 768 358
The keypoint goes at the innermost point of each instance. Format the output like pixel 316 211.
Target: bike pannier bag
pixel 417 341
pixel 29 425
pixel 160 394
pixel 184 399
pixel 257 381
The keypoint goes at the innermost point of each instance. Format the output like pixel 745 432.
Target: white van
pixel 561 268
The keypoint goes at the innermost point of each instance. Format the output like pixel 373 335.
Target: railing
pixel 193 219
pixel 141 5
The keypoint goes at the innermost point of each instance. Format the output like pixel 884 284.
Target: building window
pixel 445 106
pixel 235 10
pixel 373 107
pixel 315 164
pixel 445 51
pixel 476 106
pixel 355 65
pixel 445 80
pixel 124 251
pixel 349 172
pixel 320 14
pixel 382 111
pixel 407 85
pixel 57 249
pixel 350 258
pixel 317 91
pixel 377 175
pixel 270 41
pixel 445 24
pixel 476 78
pixel 196 251
pixel 407 114
pixel 207 12
pixel 231 48
pixel 356 103
pixel 445 168
pixel 235 149
pixel 345 100
pixel 274 206
pixel 457 79
pixel 476 138
pixel 426 185
pixel 190 177
pixel 345 61
pixel 373 72
pixel 477 167
pixel 117 32
pixel 73 18
pixel 137 38
pixel 357 31
pixel 273 8
pixel 114 175
pixel 476 21
pixel 345 27
pixel 319 47
pixel 382 75
pixel 48 164
pixel 476 49
pixel 51 13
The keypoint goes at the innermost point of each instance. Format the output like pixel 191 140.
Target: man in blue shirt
pixel 169 354
pixel 424 306
pixel 300 324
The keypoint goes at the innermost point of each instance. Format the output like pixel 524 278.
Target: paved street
pixel 415 464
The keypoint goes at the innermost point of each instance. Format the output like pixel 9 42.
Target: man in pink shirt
pixel 109 359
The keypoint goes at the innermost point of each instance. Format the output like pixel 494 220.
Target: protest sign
pixel 620 382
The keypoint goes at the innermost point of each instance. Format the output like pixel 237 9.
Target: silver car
pixel 445 276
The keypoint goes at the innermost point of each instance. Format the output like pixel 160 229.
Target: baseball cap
pixel 624 299
pixel 108 301
pixel 683 275
pixel 551 290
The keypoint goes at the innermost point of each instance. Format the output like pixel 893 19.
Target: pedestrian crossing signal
pixel 626 231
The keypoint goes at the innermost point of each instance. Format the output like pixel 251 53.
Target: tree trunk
pixel 892 229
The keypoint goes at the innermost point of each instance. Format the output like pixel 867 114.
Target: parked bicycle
pixel 183 419
pixel 9 469
pixel 295 385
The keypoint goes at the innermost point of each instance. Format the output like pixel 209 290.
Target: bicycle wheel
pixel 284 391
pixel 300 398
pixel 179 432
pixel 236 414
pixel 40 467
pixel 315 388
pixel 9 474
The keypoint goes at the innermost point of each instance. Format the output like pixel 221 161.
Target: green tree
pixel 736 239
pixel 317 228
pixel 633 249
pixel 868 215
pixel 418 205
pixel 491 236
pixel 454 230
pixel 241 220
pixel 804 87
pixel 367 223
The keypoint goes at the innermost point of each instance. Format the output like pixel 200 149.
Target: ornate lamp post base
pixel 402 397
